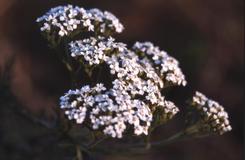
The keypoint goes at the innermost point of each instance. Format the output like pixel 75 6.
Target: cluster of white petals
pixel 113 111
pixel 76 102
pixel 134 80
pixel 140 81
pixel 94 50
pixel 167 67
pixel 138 76
pixel 64 20
pixel 213 114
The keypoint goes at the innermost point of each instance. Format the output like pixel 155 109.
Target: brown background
pixel 205 36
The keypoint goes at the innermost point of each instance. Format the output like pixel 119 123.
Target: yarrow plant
pixel 212 116
pixel 118 91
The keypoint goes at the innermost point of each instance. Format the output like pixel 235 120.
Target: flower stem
pixel 148 141
pixel 96 142
pixel 78 153
pixel 174 138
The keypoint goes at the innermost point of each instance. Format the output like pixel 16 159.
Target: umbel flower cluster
pixel 135 99
pixel 212 115
pixel 67 20
pixel 135 92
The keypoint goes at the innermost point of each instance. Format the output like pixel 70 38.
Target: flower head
pixel 111 111
pixel 213 115
pixel 95 50
pixel 135 95
pixel 136 76
pixel 166 66
pixel 66 20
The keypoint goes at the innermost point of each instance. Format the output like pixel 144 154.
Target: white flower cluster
pixel 64 20
pixel 213 114
pixel 94 50
pixel 76 102
pixel 110 110
pixel 135 84
pixel 166 66
pixel 140 81
pixel 138 76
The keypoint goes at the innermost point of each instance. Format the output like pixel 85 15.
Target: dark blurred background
pixel 207 37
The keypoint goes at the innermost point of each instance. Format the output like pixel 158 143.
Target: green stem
pixel 176 137
pixel 78 153
pixel 186 133
pixel 99 74
pixel 68 66
pixel 96 142
pixel 148 141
